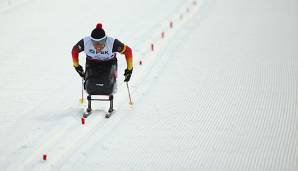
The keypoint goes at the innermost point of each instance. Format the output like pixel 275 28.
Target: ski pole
pixel 82 98
pixel 130 102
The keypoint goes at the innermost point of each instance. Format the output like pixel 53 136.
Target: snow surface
pixel 218 93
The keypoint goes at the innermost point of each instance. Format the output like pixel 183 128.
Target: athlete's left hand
pixel 127 74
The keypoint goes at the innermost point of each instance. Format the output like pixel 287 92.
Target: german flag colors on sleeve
pixel 128 55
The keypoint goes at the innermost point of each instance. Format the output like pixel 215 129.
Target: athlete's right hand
pixel 80 70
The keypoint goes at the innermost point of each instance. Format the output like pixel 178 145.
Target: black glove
pixel 80 70
pixel 127 74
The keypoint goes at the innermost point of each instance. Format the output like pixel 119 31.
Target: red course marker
pixel 44 157
pixel 83 121
pixel 171 24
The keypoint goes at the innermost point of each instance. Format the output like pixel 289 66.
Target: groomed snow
pixel 218 93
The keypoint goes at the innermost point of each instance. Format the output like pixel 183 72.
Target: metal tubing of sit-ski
pixel 101 99
pixel 90 98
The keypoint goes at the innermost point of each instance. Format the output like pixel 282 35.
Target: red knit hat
pixel 98 33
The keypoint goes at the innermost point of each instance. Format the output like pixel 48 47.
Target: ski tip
pixel 86 114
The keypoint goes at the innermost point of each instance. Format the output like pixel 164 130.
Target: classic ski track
pixel 153 69
pixel 63 143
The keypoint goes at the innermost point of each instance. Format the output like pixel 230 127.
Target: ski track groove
pixel 112 124
pixel 55 147
pixel 158 68
pixel 75 134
